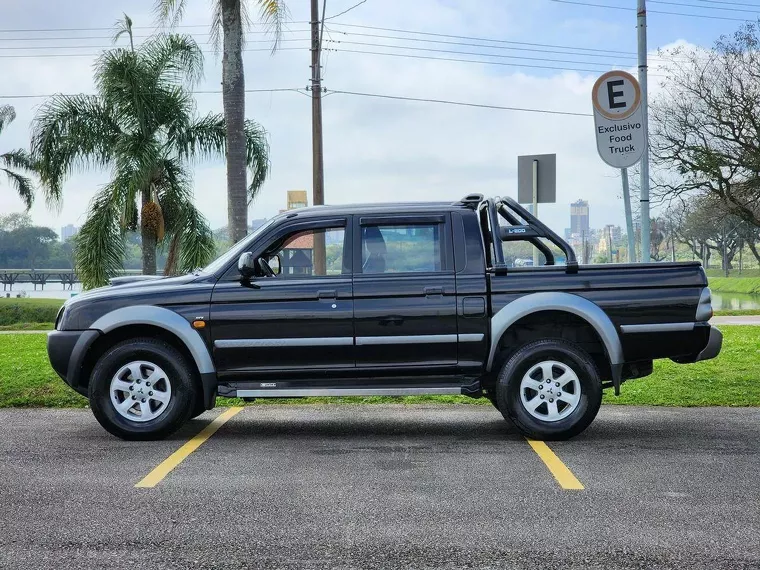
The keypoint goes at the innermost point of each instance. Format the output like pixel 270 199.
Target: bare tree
pixel 705 124
pixel 704 225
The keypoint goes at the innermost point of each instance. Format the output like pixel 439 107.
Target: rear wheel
pixel 550 389
pixel 142 389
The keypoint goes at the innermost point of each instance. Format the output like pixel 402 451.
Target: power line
pixel 731 3
pixel 344 11
pixel 755 11
pixel 461 103
pixel 111 28
pixel 45 55
pixel 199 92
pixel 77 38
pixel 110 47
pixel 616 55
pixel 709 16
pixel 456 52
pixel 354 93
pixel 468 60
pixel 611 54
pixel 473 38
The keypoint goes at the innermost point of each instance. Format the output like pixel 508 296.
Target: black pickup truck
pixel 383 299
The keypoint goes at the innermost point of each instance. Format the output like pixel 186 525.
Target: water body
pixel 735 301
pixel 55 291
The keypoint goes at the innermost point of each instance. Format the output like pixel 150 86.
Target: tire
pixel 166 408
pixel 522 386
pixel 199 408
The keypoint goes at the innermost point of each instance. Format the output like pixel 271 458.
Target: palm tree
pixel 228 18
pixel 16 160
pixel 141 125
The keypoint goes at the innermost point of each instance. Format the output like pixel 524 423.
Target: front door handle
pixel 432 291
pixel 327 294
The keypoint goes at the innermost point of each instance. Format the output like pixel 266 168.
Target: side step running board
pixel 310 392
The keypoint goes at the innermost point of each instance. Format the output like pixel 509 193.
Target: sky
pixel 378 149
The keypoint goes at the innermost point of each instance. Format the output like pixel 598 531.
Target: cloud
pixel 375 149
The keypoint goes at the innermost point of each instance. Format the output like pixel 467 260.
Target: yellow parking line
pixel 561 473
pixel 165 467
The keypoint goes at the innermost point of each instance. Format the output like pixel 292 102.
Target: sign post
pixel 537 183
pixel 620 131
pixel 628 217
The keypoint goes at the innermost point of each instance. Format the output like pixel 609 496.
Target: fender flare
pixel 164 319
pixel 172 322
pixel 569 303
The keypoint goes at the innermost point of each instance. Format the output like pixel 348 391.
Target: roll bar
pixel 505 234
pixel 532 232
pixel 493 220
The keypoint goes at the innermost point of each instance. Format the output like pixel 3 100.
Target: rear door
pixel 404 294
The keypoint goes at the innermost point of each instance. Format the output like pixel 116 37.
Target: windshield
pixel 235 251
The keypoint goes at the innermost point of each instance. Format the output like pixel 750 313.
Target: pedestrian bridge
pixel 66 277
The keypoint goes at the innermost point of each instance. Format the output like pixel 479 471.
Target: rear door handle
pixel 433 291
pixel 327 294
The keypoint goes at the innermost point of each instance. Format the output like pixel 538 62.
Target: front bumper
pixel 714 344
pixel 66 350
pixel 60 345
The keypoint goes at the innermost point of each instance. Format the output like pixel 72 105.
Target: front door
pixel 297 323
pixel 405 295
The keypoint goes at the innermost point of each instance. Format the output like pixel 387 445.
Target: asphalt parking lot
pixel 383 486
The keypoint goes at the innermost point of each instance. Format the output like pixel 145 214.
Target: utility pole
pixel 318 184
pixel 641 16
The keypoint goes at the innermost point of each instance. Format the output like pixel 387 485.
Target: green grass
pixel 26 378
pixel 732 379
pixel 14 311
pixel 736 312
pixel 733 273
pixel 27 327
pixel 745 285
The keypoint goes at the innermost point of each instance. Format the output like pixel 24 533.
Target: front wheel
pixel 142 389
pixel 550 389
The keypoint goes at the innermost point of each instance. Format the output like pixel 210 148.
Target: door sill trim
pixel 313 392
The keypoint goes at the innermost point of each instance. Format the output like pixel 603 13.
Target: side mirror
pixel 246 265
pixel 268 266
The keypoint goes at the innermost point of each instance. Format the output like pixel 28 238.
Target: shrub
pixel 14 311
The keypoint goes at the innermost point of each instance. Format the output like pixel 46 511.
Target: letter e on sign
pixel 617 95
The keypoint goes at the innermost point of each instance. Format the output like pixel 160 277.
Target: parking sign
pixel 618 122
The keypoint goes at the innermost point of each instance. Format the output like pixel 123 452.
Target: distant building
pixel 615 233
pixel 568 234
pixel 297 199
pixel 68 232
pixel 299 251
pixel 579 219
pixel 257 223
pixel 610 236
